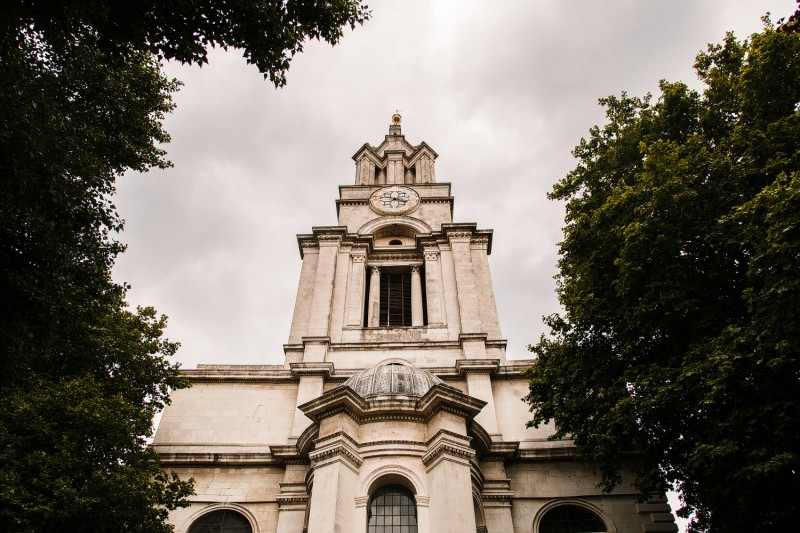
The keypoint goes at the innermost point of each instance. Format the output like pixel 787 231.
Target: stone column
pixel 416 297
pixel 433 287
pixel 374 301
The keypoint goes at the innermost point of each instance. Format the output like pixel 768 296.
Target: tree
pixel 269 33
pixel 792 23
pixel 80 375
pixel 82 99
pixel 678 350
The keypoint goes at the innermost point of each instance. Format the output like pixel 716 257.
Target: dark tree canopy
pixel 269 33
pixel 81 376
pixel 82 100
pixel 679 345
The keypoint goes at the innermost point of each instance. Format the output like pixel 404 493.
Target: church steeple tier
pixel 396 277
pixel 395 161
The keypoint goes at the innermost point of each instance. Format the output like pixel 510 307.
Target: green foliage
pixel 679 346
pixel 269 33
pixel 80 375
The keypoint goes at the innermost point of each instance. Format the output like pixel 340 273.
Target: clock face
pixel 394 200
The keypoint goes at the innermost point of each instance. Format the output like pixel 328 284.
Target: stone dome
pixel 392 379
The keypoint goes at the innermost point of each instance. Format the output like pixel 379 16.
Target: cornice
pixel 477 366
pixel 548 454
pixel 377 257
pixel 218 459
pixel 323 369
pixel 238 374
pixel 278 374
pixel 440 398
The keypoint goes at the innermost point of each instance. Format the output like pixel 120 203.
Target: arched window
pixel 570 519
pixel 392 510
pixel 222 521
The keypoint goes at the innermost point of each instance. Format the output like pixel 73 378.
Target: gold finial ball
pixel 396 118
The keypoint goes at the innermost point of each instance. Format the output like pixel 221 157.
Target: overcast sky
pixel 501 90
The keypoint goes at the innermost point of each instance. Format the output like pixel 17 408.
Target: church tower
pixel 396 410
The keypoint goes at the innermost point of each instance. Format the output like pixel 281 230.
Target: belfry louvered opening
pixel 396 298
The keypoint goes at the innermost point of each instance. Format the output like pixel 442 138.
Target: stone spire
pixel 395 161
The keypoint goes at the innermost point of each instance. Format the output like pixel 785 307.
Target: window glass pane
pixel 392 510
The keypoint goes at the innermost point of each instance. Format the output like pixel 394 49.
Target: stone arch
pixel 235 507
pixel 393 474
pixel 410 225
pixel 552 504
pixel 480 515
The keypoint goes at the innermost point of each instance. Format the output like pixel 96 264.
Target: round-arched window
pixel 570 519
pixel 395 242
pixel 222 521
pixel 392 510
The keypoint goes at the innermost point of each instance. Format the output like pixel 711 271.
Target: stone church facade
pixel 396 409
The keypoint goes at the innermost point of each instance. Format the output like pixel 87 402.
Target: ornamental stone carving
pixel 394 200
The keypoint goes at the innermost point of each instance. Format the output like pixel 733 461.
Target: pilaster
pixel 312 380
pixel 321 300
pixel 478 373
pixel 355 300
pixel 450 483
pixel 433 286
pixel 496 496
pixel 292 498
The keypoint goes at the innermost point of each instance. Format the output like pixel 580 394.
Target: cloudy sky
pixel 501 90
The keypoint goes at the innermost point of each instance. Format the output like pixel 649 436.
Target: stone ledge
pixel 218 459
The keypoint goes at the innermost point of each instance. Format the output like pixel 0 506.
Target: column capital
pixel 415 270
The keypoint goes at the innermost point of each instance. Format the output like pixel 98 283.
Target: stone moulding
pixel 218 459
pixel 444 448
pixel 275 374
pixel 320 456
pixel 438 398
